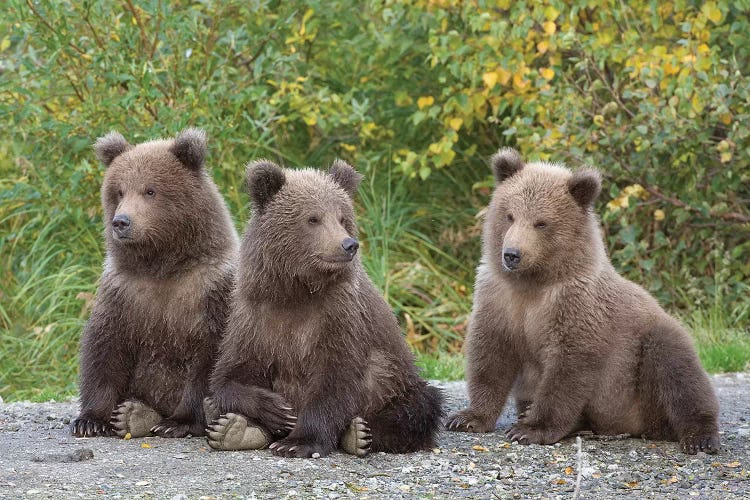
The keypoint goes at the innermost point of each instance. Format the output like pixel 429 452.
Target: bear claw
pixel 357 439
pixel 232 432
pixel 135 418
pixel 693 444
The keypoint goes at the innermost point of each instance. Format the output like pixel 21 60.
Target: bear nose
pixel 350 246
pixel 121 223
pixel 511 257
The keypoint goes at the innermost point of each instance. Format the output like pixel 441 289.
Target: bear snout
pixel 350 246
pixel 121 226
pixel 511 258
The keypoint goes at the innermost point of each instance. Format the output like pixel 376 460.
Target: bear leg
pixel 135 418
pixel 681 403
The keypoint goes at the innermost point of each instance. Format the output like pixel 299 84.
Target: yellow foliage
pixel 490 79
pixel 542 46
pixel 712 12
pixel 455 123
pixel 549 27
pixel 425 101
pixel 658 214
pixel 547 73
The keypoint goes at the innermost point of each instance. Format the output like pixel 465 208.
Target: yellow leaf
pixel 503 76
pixel 455 123
pixel 733 465
pixel 658 214
pixel 726 118
pixel 549 27
pixel 425 101
pixel 726 157
pixel 4 44
pixel 547 73
pixel 697 103
pixel 569 470
pixel 712 12
pixel 310 120
pixel 348 147
pixel 478 448
pixel 145 445
pixel 127 436
pixel 551 13
pixel 671 69
pixel 560 481
pixel 542 47
pixel 519 81
pixel 599 120
pixel 114 36
pixel 490 79
pixel 703 49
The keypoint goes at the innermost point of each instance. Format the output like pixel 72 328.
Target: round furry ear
pixel 345 176
pixel 110 146
pixel 190 148
pixel 504 163
pixel 264 180
pixel 585 186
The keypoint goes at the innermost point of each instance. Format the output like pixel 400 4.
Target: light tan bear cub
pixel 580 346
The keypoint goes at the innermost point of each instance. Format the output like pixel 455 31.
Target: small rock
pixel 180 496
pixel 73 456
pixel 143 483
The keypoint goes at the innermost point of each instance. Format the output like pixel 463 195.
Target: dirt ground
pixel 39 459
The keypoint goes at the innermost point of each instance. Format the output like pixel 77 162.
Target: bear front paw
pixel 88 427
pixel 528 434
pixel 299 448
pixel 469 421
pixel 707 443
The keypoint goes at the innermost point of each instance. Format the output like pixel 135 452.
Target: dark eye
pixel 119 193
pixel 540 225
pixel 342 221
pixel 313 220
pixel 150 192
pixel 510 218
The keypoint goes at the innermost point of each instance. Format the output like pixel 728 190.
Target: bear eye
pixel 119 193
pixel 150 192
pixel 313 220
pixel 540 225
pixel 510 218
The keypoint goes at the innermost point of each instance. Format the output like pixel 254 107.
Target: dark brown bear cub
pixel 579 346
pixel 149 346
pixel 313 358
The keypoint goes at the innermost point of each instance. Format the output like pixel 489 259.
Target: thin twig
pixel 727 216
pixel 132 9
pixel 51 28
pixel 577 491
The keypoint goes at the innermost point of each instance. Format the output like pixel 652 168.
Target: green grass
pixel 441 366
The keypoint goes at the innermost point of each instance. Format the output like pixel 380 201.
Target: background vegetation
pixel 417 94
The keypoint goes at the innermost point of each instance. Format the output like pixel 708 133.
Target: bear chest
pixel 164 310
pixel 532 314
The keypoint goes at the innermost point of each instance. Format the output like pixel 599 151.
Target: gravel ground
pixel 39 459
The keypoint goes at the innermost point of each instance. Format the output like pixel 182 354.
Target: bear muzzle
pixel 511 259
pixel 121 226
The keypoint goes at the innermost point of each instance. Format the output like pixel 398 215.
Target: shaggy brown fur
pixel 579 345
pixel 162 304
pixel 311 344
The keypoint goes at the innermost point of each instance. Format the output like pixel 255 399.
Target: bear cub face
pixel 537 215
pixel 150 191
pixel 305 218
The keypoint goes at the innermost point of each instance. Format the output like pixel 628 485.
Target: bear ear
pixel 110 146
pixel 264 180
pixel 345 176
pixel 585 186
pixel 190 148
pixel 504 163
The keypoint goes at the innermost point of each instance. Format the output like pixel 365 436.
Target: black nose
pixel 511 257
pixel 350 245
pixel 121 223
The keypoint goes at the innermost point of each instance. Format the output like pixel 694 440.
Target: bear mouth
pixel 338 259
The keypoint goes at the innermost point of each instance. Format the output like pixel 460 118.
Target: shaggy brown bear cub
pixel 148 348
pixel 313 358
pixel 579 346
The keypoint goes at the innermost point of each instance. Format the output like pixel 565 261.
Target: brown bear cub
pixel 313 358
pixel 149 346
pixel 580 346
